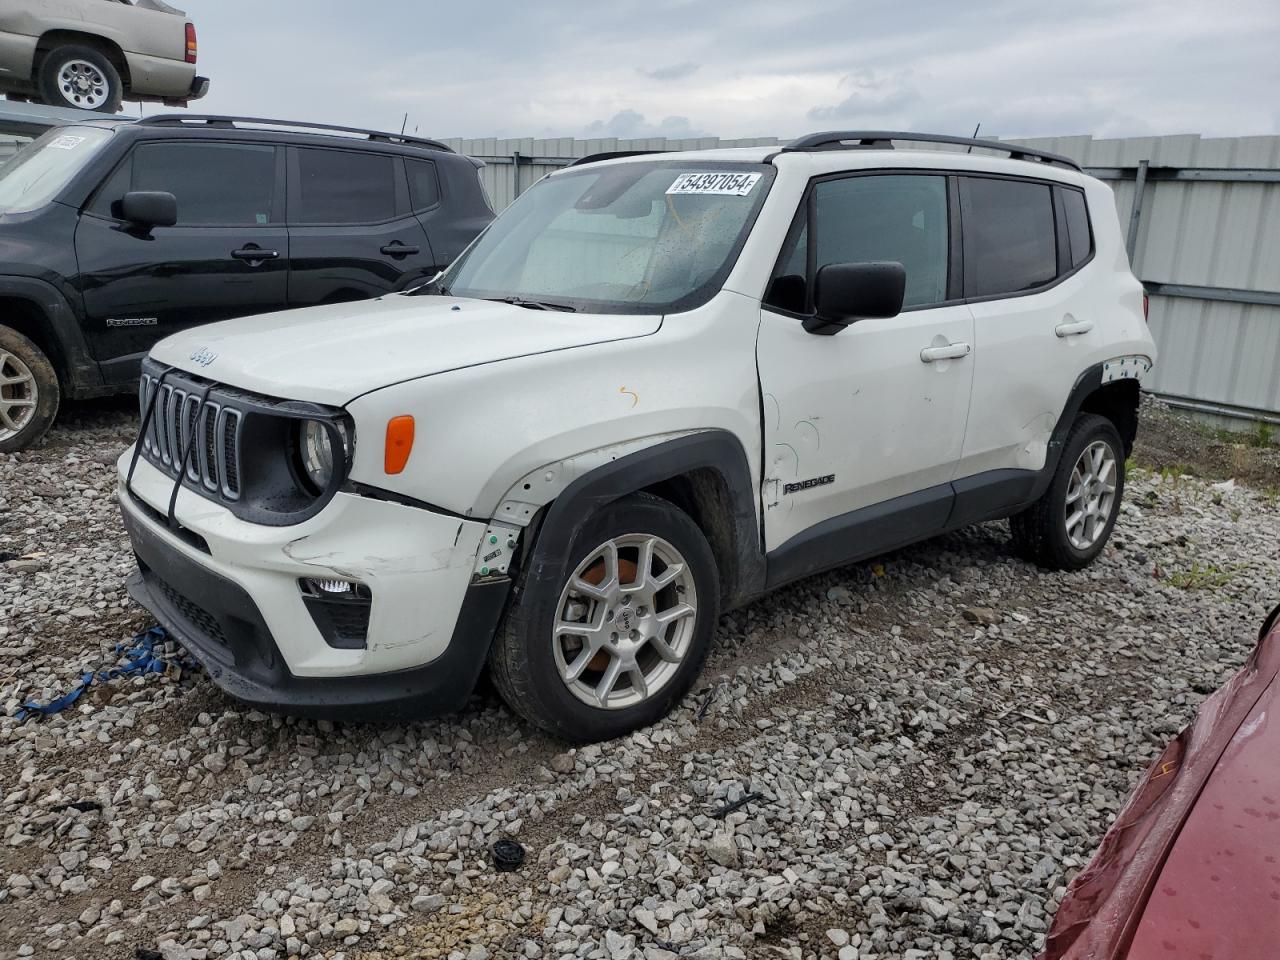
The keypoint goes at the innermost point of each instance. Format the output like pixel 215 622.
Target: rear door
pixel 353 234
pixel 228 255
pixel 1033 329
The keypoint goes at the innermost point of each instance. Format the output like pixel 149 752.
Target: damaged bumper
pixel 234 594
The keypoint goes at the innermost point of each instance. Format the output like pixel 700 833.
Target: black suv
pixel 114 234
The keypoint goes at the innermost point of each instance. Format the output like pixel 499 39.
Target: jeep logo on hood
pixel 203 356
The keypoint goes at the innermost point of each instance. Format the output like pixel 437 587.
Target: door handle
pixel 1073 328
pixel 398 249
pixel 952 351
pixel 254 254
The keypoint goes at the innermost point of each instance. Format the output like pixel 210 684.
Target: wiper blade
pixel 536 304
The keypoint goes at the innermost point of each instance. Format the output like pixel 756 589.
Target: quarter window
pixel 1009 240
pixel 1077 226
pixel 900 218
pixel 215 184
pixel 424 188
pixel 340 186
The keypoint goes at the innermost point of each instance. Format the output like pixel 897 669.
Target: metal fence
pixel 1202 219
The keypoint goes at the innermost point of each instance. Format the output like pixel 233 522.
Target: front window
pixel 645 237
pixel 42 168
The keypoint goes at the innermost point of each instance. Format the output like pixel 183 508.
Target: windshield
pixel 649 237
pixel 45 166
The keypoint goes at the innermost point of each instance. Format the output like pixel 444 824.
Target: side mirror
pixel 149 208
pixel 845 292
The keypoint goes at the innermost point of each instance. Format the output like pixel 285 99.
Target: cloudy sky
pixel 623 68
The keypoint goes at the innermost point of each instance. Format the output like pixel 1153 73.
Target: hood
pixel 1194 848
pixel 1218 894
pixel 335 353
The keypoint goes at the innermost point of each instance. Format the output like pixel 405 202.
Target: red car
pixel 1190 870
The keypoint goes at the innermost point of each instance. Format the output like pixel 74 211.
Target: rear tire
pixel 29 392
pixel 1070 524
pixel 80 77
pixel 647 605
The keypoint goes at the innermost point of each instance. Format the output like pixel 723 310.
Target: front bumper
pixel 228 591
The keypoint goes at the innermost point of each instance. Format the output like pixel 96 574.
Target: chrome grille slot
pixel 208 453
pixel 173 425
pixel 229 453
pixel 163 419
pixel 190 428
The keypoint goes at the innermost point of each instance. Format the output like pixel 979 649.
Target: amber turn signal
pixel 399 443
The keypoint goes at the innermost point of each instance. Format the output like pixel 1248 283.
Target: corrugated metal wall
pixel 1224 236
pixel 1221 235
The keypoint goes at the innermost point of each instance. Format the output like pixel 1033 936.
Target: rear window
pixel 340 186
pixel 1009 241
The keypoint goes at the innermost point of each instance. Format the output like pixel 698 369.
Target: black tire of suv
pixel 48 392
pixel 522 661
pixel 1040 533
pixel 53 63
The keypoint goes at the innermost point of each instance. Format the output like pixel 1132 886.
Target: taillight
pixel 1146 306
pixel 191 43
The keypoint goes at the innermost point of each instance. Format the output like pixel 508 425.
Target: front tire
pixel 618 636
pixel 29 392
pixel 1070 524
pixel 81 77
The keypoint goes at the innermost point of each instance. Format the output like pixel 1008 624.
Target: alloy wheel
pixel 18 395
pixel 1091 493
pixel 625 621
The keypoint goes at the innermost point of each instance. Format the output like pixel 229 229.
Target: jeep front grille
pixel 208 433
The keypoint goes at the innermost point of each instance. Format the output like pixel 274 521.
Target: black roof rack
pixel 612 155
pixel 883 140
pixel 180 119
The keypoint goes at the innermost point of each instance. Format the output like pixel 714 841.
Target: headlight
pixel 317 453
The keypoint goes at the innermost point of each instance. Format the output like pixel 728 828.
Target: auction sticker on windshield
pixel 65 142
pixel 723 184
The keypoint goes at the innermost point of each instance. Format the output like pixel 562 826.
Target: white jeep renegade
pixel 655 388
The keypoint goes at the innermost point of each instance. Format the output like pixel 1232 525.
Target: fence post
pixel 1135 212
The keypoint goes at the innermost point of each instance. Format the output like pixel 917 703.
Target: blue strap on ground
pixel 139 658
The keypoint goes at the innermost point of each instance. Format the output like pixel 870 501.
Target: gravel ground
pixel 928 747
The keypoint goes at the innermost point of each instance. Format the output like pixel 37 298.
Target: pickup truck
pixel 93 54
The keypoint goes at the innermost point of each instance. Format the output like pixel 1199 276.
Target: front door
pixel 352 232
pixel 227 256
pixel 870 420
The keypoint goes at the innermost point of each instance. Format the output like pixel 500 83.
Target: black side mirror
pixel 845 292
pixel 149 208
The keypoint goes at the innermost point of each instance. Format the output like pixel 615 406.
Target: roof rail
pixel 883 140
pixel 612 155
pixel 181 119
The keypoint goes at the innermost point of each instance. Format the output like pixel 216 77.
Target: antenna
pixel 975 136
pixel 406 123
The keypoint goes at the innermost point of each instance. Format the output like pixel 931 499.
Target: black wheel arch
pixel 705 474
pixel 40 313
pixel 1116 400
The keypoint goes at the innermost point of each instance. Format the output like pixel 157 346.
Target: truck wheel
pixel 611 641
pixel 80 76
pixel 29 392
pixel 1068 527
